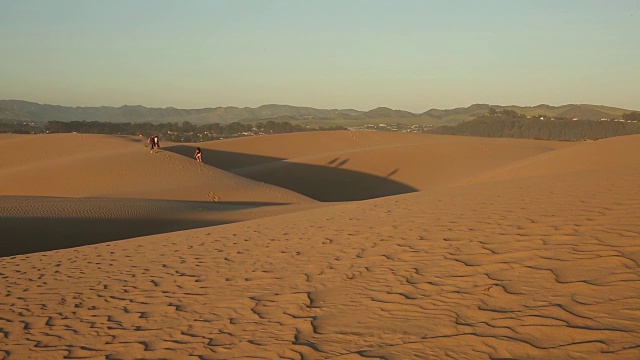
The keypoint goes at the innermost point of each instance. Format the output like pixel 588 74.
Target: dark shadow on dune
pixel 139 139
pixel 323 183
pixel 36 228
pixel 392 173
pixel 31 235
pixel 342 163
pixel 332 161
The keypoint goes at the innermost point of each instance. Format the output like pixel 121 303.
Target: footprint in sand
pixel 213 196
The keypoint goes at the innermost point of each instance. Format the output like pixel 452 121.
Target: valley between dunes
pixel 319 245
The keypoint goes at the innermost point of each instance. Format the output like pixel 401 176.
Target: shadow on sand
pixel 42 230
pixel 327 183
pixel 31 235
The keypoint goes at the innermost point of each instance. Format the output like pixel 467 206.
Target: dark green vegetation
pixel 634 116
pixel 185 132
pixel 20 127
pixel 511 124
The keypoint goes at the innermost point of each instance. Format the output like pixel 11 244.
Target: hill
pixel 30 111
pixel 516 125
pixel 579 111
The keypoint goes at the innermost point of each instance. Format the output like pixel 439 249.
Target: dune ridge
pixel 512 249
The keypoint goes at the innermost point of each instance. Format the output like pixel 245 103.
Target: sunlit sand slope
pixel 80 165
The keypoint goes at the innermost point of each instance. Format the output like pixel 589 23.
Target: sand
pixel 341 245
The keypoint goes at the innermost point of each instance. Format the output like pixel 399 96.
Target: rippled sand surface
pixel 342 245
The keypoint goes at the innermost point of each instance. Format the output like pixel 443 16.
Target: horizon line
pixel 311 107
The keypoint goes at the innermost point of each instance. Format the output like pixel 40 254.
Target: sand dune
pixel 479 249
pixel 125 192
pixel 603 155
pixel 356 165
pixel 76 165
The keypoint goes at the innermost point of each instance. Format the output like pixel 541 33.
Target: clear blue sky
pixel 409 55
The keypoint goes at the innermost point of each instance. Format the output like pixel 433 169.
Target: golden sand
pixel 340 245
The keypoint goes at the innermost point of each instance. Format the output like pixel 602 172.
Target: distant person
pixel 156 142
pixel 198 155
pixel 152 143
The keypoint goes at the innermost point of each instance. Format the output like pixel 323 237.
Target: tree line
pixel 177 132
pixel 633 116
pixel 19 127
pixel 510 125
pixel 495 123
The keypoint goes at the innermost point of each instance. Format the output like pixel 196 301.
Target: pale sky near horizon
pixel 409 55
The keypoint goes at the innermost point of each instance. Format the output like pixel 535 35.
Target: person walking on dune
pixel 198 155
pixel 156 142
pixel 152 143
